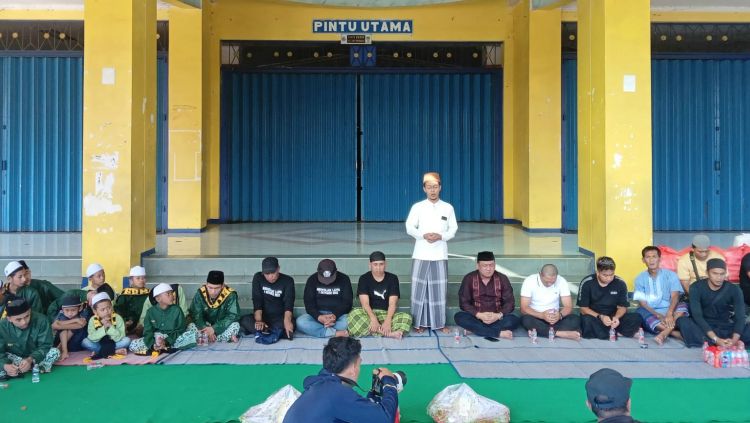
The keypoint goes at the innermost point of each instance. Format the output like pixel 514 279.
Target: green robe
pixel 170 322
pixel 34 341
pixel 29 294
pixel 219 313
pixel 47 291
pixel 180 301
pixel 129 303
pixel 56 305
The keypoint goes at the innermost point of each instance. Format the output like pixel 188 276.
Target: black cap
pixel 326 271
pixel 106 288
pixel 607 389
pixel 215 277
pixel 270 265
pixel 70 301
pixel 377 256
pixel 485 256
pixel 17 306
pixel 716 263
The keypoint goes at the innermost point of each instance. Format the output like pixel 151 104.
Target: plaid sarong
pixel 429 283
pixel 359 322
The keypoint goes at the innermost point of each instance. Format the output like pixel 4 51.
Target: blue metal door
pixel 700 110
pixel 41 106
pixel 288 150
pixel 444 122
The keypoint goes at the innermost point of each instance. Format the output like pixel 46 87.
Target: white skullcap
pixel 137 271
pixel 161 288
pixel 12 267
pixel 102 296
pixel 93 268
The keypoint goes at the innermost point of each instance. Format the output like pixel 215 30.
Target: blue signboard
pixel 370 26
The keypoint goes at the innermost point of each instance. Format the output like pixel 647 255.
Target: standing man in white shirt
pixel 432 222
pixel 542 295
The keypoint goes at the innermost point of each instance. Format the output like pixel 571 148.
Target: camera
pixel 377 383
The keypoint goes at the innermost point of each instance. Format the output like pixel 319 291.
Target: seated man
pixel 378 293
pixel 47 291
pixel 608 396
pixel 486 300
pixel 329 396
pixel 603 302
pixel 658 291
pixel 328 301
pixel 25 340
pixel 273 302
pixel 692 266
pixel 15 287
pixel 541 296
pixel 717 311
pixel 215 309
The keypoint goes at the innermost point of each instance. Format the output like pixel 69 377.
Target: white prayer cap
pixel 12 267
pixel 102 296
pixel 93 268
pixel 137 271
pixel 161 288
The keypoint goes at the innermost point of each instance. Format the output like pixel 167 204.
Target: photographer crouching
pixel 329 396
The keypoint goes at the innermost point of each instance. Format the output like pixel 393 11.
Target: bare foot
pixel 659 339
pixel 234 339
pixel 419 330
pixel 344 333
pixel 445 329
pixel 506 334
pixel 569 334
pixel 121 351
pixel 64 355
pixel 396 334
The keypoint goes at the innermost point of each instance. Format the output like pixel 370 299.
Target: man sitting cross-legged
pixel 541 296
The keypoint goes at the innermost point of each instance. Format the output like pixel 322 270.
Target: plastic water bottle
pixel 551 335
pixel 35 374
pixel 612 335
pixel 457 336
pixel 3 386
pixel 94 365
pixel 642 339
pixel 532 335
pixel 705 351
pixel 725 359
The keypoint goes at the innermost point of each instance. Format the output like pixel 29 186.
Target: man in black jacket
pixel 328 299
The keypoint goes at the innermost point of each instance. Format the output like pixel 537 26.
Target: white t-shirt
pixel 544 298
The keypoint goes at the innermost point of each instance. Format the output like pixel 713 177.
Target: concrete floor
pixel 315 239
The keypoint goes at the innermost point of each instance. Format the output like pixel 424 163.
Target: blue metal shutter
pixel 570 144
pixel 444 122
pixel 41 118
pixel 288 147
pixel 162 144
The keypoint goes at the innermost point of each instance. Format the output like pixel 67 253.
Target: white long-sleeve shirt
pixel 425 217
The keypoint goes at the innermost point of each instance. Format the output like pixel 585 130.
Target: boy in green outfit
pixel 15 287
pixel 129 303
pixel 106 329
pixel 215 309
pixel 47 291
pixel 25 341
pixel 164 328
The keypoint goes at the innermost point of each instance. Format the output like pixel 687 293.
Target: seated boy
pixel 25 340
pixel 96 277
pixel 129 304
pixel 47 291
pixel 106 329
pixel 70 326
pixel 164 327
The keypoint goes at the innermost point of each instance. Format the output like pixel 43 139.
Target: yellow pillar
pixel 185 185
pixel 119 141
pixel 537 116
pixel 614 131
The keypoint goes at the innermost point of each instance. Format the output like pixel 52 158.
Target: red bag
pixel 669 257
pixel 734 255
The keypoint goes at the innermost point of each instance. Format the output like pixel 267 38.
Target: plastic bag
pixel 669 257
pixel 460 404
pixel 741 239
pixel 734 257
pixel 273 409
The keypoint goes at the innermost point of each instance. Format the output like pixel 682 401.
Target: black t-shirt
pixel 273 298
pixel 603 299
pixel 378 292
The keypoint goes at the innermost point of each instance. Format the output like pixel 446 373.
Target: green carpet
pixel 221 393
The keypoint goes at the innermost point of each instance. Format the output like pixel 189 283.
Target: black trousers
pixel 694 336
pixel 247 323
pixel 567 323
pixel 593 328
pixel 471 323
